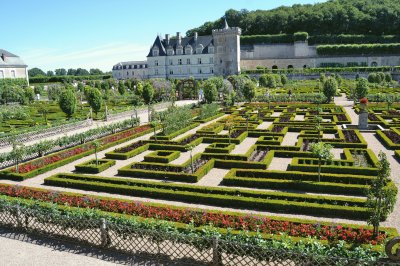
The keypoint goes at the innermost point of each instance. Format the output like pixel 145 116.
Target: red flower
pixel 364 100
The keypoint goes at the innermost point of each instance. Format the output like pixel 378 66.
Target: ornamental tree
pixel 210 91
pixel 361 88
pixel 381 194
pixel 94 99
pixel 323 152
pixel 17 154
pixel 249 90
pixel 330 87
pixel 96 144
pixel 148 94
pixel 68 102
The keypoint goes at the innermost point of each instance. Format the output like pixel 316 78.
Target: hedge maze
pixel 253 157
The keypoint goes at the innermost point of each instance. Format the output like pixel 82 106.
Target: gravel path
pixel 290 139
pixel 213 178
pixel 280 164
pixel 264 125
pixel 376 146
pixel 243 147
pixel 16 252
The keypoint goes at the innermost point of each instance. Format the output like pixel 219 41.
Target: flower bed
pixel 44 164
pixel 350 136
pixel 262 224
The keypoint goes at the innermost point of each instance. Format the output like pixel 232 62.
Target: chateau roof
pixel 8 59
pixel 162 44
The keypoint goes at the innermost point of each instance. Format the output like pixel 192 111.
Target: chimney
pixel 3 56
pixel 167 38
pixel 195 36
pixel 178 36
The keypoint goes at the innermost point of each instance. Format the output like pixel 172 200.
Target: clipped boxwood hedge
pixel 92 168
pixel 224 197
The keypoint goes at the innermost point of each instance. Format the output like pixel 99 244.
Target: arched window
pixel 374 64
pixel 274 67
pixel 290 66
pixel 305 66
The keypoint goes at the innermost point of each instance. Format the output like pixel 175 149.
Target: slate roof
pixel 162 45
pixel 11 60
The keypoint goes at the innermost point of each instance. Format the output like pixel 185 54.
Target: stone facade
pixel 302 55
pixel 221 54
pixel 130 70
pixel 199 57
pixel 11 66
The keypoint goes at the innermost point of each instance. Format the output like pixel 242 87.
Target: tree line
pixel 371 17
pixel 36 72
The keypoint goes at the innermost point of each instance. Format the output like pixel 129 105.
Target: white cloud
pixel 102 57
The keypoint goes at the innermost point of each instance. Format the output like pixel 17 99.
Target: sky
pixel 100 33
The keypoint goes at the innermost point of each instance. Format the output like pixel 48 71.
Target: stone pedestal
pixel 363 119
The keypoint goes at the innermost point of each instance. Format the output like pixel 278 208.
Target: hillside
pixel 371 17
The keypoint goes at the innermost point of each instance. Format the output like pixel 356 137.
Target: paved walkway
pixel 376 146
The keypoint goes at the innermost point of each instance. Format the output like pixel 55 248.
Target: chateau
pixel 222 54
pixel 12 66
pixel 182 57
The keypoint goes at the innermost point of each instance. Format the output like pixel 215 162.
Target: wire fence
pixel 160 247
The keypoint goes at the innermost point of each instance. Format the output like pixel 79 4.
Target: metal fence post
pixel 18 216
pixel 217 260
pixel 105 238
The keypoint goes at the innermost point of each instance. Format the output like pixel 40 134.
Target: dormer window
pixel 155 51
pixel 199 49
pixel 188 49
pixel 179 51
pixel 170 51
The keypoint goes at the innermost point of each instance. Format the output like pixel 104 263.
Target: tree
pixel 43 146
pixel 34 72
pixel 68 102
pixel 329 88
pixel 50 73
pixel 249 90
pixel 190 149
pixel 284 79
pixel 95 71
pixel 381 195
pixel 38 89
pixel 229 126
pixel 323 152
pixel 388 77
pixel 362 88
pixel 61 72
pixel 96 144
pixel 121 88
pixel 147 95
pixel 29 95
pixel 318 126
pixel 210 92
pixel 94 99
pixel 17 154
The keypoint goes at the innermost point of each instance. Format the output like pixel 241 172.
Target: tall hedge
pixel 358 49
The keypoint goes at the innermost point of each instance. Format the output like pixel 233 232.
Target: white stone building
pixel 130 70
pixel 12 66
pixel 199 57
pixel 222 54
